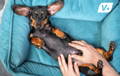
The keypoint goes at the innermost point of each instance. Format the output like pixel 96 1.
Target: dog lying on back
pixel 53 40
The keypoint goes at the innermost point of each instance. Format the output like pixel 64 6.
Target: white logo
pixel 105 7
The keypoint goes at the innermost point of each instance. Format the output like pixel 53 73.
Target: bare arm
pixel 108 70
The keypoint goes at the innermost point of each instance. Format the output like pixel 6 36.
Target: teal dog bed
pixel 79 18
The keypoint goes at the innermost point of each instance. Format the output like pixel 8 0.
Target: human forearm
pixel 108 70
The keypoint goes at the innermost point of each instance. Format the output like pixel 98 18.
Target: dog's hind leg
pixel 109 53
pixel 92 70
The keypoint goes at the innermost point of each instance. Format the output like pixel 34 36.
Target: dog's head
pixel 38 13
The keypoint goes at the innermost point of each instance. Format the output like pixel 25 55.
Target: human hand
pixel 90 55
pixel 68 69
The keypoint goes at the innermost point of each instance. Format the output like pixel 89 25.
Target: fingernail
pixel 75 63
pixel 69 55
pixel 61 55
pixel 69 43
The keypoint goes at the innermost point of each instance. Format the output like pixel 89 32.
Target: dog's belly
pixel 57 46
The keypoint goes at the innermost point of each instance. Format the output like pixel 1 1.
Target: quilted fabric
pixel 79 18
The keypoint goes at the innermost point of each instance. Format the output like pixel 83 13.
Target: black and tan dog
pixel 54 41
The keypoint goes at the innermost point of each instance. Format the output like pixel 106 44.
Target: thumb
pixel 77 57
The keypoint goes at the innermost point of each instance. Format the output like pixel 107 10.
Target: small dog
pixel 53 40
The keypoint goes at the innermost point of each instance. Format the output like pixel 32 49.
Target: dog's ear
pixel 56 6
pixel 21 10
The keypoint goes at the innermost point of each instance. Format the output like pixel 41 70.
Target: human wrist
pixel 97 59
pixel 108 70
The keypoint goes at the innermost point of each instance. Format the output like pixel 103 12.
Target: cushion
pixel 80 19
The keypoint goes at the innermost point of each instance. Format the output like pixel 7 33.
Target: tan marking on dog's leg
pixel 37 42
pixel 59 33
pixel 101 51
pixel 33 22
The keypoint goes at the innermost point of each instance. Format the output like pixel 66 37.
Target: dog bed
pixel 80 19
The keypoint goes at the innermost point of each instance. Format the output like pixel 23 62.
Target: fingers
pixel 77 57
pixel 70 65
pixel 73 68
pixel 62 63
pixel 82 42
pixel 76 68
pixel 77 46
pixel 68 69
pixel 82 46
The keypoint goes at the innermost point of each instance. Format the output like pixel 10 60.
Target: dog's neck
pixel 44 22
pixel 41 23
